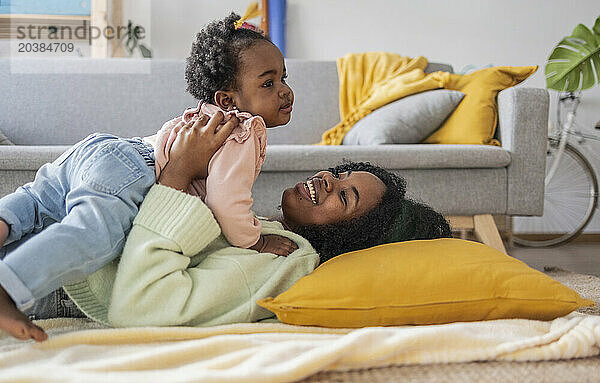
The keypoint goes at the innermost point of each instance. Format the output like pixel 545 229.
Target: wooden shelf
pixel 99 17
pixel 8 26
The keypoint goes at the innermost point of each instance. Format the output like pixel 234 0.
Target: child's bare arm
pixel 275 244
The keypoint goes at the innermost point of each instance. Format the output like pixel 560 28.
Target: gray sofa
pixel 43 112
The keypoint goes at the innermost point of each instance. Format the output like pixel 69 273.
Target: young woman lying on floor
pixel 73 219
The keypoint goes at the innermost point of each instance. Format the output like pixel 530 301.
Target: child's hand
pixel 193 148
pixel 275 244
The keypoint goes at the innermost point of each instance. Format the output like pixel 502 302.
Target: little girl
pixel 235 69
pixel 74 217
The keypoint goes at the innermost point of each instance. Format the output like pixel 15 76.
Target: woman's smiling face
pixel 261 86
pixel 327 199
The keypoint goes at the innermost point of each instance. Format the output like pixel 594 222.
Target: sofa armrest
pixel 523 130
pixel 22 157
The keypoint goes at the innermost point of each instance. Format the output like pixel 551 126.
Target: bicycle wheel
pixel 570 198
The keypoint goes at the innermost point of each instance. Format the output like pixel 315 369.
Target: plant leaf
pixel 134 43
pixel 130 44
pixel 587 71
pixel 574 60
pixel 147 53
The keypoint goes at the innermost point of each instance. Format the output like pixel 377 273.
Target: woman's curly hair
pixel 381 224
pixel 214 61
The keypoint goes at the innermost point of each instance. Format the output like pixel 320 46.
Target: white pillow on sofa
pixel 408 120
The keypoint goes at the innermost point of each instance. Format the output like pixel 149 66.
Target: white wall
pixel 176 22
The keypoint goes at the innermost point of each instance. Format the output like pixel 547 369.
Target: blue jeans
pixel 74 217
pixel 54 305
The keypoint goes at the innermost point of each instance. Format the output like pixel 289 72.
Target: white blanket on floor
pixel 274 352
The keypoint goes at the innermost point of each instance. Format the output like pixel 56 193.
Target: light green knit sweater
pixel 176 269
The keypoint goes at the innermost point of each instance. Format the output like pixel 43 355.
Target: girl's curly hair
pixel 380 225
pixel 214 61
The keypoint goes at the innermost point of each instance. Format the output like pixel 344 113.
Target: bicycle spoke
pixel 569 201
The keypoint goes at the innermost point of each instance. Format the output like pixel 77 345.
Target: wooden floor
pixel 582 257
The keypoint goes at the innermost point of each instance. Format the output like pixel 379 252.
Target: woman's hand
pixel 192 149
pixel 275 244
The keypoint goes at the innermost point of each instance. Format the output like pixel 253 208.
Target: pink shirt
pixel 227 190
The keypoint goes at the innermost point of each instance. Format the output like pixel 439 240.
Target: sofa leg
pixel 485 231
pixel 483 226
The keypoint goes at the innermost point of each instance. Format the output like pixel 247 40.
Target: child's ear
pixel 224 100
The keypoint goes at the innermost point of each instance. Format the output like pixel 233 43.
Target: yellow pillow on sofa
pixel 474 120
pixel 422 282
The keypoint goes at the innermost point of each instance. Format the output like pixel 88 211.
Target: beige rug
pixel 575 370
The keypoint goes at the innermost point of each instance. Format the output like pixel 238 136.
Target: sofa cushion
pixel 408 120
pixel 474 121
pixel 316 102
pixel 410 156
pixel 18 157
pixel 119 98
pixel 422 282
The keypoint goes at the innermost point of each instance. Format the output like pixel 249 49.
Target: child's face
pixel 261 86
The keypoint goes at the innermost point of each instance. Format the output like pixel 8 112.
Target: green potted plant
pixel 570 69
pixel 573 66
pixel 574 60
pixel 131 40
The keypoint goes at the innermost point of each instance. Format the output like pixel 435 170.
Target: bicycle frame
pixel 564 132
pixel 567 129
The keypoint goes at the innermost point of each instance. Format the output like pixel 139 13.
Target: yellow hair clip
pixel 251 12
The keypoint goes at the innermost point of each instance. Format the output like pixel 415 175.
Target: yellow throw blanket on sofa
pixel 373 79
